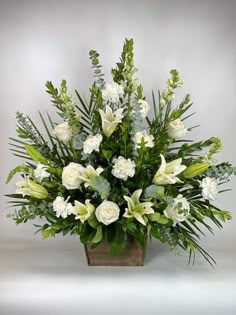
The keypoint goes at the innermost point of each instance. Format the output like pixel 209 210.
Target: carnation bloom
pixel 143 136
pixel 82 211
pixel 209 188
pixel 40 172
pixel 110 120
pixel 137 209
pixel 92 143
pixel 86 174
pixel 168 171
pixel 112 92
pixel 179 210
pixel 62 207
pixel 107 212
pixel 123 168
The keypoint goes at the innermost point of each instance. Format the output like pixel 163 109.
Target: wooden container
pixel 132 255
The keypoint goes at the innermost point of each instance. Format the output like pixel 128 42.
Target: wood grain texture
pixel 133 255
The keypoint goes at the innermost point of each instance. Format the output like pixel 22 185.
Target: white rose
pixel 137 138
pixel 71 176
pixel 179 210
pixel 123 168
pixel 112 92
pixel 209 188
pixel 40 172
pixel 62 207
pixel 107 212
pixel 176 129
pixel 63 132
pixel 92 143
pixel 144 108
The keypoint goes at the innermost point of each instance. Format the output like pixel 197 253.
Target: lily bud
pixel 195 170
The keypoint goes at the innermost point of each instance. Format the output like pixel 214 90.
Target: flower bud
pixel 195 170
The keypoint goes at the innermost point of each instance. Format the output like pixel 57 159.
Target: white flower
pixel 112 92
pixel 63 132
pixel 137 209
pixel 92 143
pixel 28 187
pixel 144 108
pixel 123 168
pixel 179 210
pixel 148 139
pixel 40 172
pixel 168 171
pixel 107 212
pixel 82 211
pixel 62 207
pixel 70 176
pixel 86 174
pixel 209 188
pixel 110 120
pixel 176 129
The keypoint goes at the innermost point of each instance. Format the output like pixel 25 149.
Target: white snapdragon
pixel 209 188
pixel 63 132
pixel 112 92
pixel 41 172
pixel 144 108
pixel 123 168
pixel 92 143
pixel 107 212
pixel 176 129
pixel 143 135
pixel 62 207
pixel 178 211
pixel 71 176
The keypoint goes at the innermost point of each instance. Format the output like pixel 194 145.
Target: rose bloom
pixel 123 168
pixel 70 176
pixel 63 132
pixel 179 210
pixel 92 143
pixel 107 212
pixel 176 129
pixel 209 188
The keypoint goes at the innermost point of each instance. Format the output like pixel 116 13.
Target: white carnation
pixel 92 143
pixel 71 176
pixel 209 188
pixel 123 168
pixel 176 129
pixel 41 172
pixel 62 207
pixel 144 108
pixel 112 92
pixel 179 210
pixel 148 139
pixel 107 212
pixel 63 132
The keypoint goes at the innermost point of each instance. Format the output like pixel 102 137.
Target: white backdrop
pixel 50 40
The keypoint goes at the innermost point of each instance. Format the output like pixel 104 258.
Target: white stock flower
pixel 86 174
pixel 137 209
pixel 92 143
pixel 63 132
pixel 123 168
pixel 176 129
pixel 110 120
pixel 70 176
pixel 107 212
pixel 112 92
pixel 209 188
pixel 168 171
pixel 82 211
pixel 62 207
pixel 179 210
pixel 41 172
pixel 144 108
pixel 148 139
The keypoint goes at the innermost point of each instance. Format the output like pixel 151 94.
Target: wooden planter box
pixel 132 255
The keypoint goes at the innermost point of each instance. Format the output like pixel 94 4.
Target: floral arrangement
pixel 111 169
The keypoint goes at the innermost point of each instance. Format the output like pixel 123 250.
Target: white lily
pixel 168 171
pixel 28 187
pixel 137 209
pixel 86 174
pixel 110 119
pixel 83 211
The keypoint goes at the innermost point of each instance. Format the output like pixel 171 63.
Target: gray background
pixel 50 40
